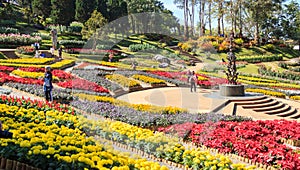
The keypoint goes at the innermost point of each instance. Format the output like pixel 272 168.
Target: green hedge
pixel 259 58
pixel 284 75
pixel 141 47
pixel 72 43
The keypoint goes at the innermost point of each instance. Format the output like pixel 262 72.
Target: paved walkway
pixel 203 101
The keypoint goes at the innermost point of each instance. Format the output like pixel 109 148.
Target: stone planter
pixel 232 90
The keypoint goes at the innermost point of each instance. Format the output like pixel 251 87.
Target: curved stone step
pixel 288 113
pixel 267 100
pixel 249 99
pixel 269 108
pixel 296 116
pixel 273 103
pixel 278 111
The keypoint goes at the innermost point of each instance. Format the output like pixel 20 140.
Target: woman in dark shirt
pixel 48 84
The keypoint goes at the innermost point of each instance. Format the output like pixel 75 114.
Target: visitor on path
pixel 60 53
pixel 36 46
pixel 193 81
pixel 37 54
pixel 133 65
pixel 189 75
pixel 5 133
pixel 52 52
pixel 43 55
pixel 48 84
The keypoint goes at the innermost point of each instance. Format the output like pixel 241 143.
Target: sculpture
pixel 231 72
pixel 54 38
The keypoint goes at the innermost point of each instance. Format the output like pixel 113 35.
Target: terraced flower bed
pixel 33 75
pixel 124 81
pixel 7 78
pixel 57 65
pixel 259 141
pixel 153 81
pixel 159 145
pixel 42 139
pixel 82 84
pixel 32 61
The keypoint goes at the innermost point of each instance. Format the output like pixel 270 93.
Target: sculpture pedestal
pixel 232 90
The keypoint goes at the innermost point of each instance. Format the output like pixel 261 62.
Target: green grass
pixel 250 69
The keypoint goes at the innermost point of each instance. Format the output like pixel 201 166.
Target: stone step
pixel 269 108
pixel 273 103
pixel 249 99
pixel 288 113
pixel 255 102
pixel 278 111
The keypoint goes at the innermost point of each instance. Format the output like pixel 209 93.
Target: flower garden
pixel 60 135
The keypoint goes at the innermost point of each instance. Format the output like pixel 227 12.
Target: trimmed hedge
pixel 259 58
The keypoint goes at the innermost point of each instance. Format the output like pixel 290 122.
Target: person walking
pixel 48 84
pixel 193 81
pixel 60 53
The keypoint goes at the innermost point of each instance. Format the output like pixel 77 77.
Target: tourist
pixel 60 53
pixel 189 74
pixel 52 52
pixel 43 55
pixel 36 46
pixel 133 65
pixel 5 133
pixel 193 81
pixel 48 84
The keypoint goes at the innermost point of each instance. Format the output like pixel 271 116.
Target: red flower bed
pixel 58 73
pixel 6 69
pixel 37 104
pixel 162 73
pixel 6 78
pixel 259 141
pixel 82 85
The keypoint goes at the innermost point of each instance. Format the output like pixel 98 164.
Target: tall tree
pixel 42 8
pixel 84 9
pixel 259 11
pixel 184 4
pixel 92 27
pixel 63 11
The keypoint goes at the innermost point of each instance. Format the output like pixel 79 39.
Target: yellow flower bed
pixel 167 147
pixel 27 61
pixel 34 75
pixel 200 78
pixel 58 65
pixel 295 97
pixel 122 80
pixel 279 85
pixel 267 92
pixel 40 137
pixel 148 79
pixel 140 107
pixel 256 79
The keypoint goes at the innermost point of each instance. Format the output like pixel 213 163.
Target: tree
pixel 259 11
pixel 84 9
pixel 184 4
pixel 62 11
pixel 42 8
pixel 92 27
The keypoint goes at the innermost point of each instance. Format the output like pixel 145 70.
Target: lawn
pixel 249 69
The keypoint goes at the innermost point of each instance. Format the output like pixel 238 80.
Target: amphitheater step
pixel 249 99
pixel 296 116
pixel 278 111
pixel 255 102
pixel 269 108
pixel 288 113
pixel 273 103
